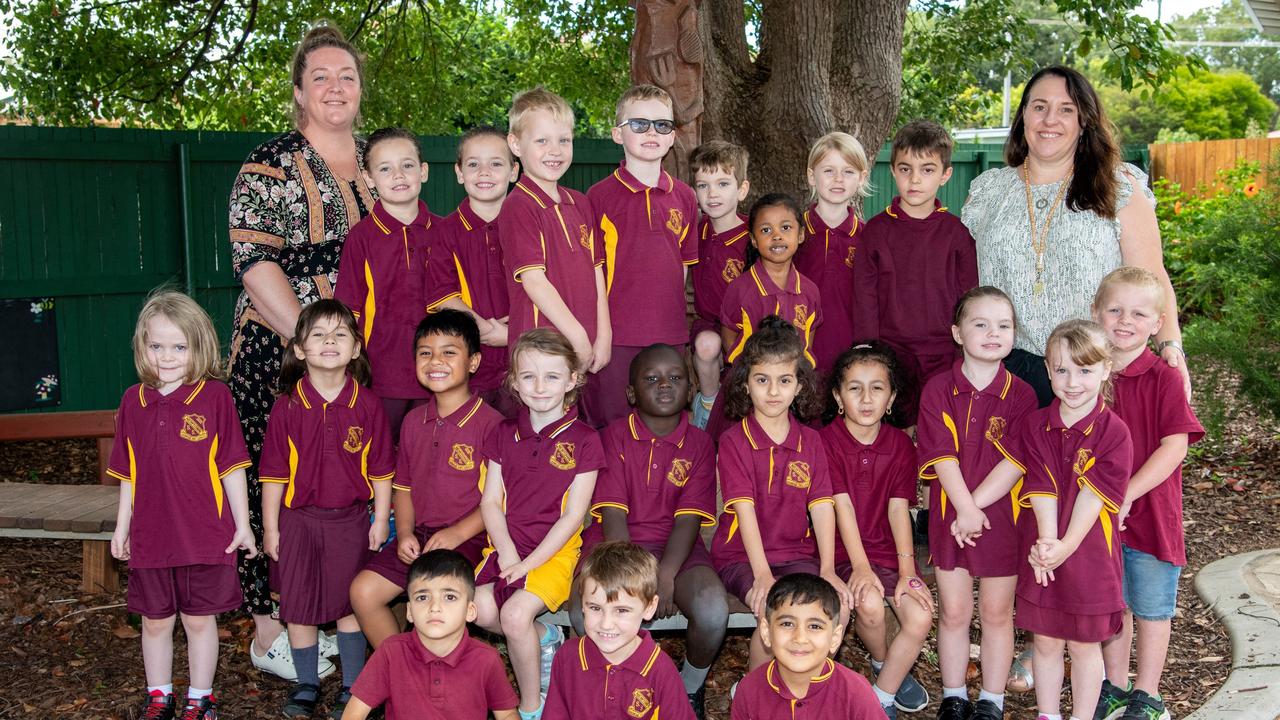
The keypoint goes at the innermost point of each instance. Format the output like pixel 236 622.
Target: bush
pixel 1222 250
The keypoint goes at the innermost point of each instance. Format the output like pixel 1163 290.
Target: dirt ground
pixel 75 656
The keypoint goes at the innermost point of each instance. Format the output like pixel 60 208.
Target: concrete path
pixel 1244 592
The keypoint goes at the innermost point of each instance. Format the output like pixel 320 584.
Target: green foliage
pixel 1204 105
pixel 1222 251
pixel 437 66
pixel 1171 135
pixel 1230 22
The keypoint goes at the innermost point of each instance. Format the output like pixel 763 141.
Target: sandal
pixel 1020 677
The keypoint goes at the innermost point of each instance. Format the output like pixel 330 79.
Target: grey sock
pixel 307 662
pixel 693 677
pixel 351 648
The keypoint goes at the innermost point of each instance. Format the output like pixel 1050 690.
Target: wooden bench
pixel 67 512
pixel 99 424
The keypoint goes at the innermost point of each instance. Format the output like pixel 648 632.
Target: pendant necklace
pixel 1040 235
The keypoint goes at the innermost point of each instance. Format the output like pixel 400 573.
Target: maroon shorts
pixel 738 578
pixel 698 554
pixel 888 575
pixel 321 552
pixel 388 564
pixel 158 593
pixel 1066 625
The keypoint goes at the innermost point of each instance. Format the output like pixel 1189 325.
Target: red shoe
pixel 159 706
pixel 206 708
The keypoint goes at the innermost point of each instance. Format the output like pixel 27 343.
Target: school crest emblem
pixel 678 475
pixel 1084 462
pixel 848 259
pixel 584 236
pixel 462 457
pixel 801 316
pixel 355 439
pixel 798 475
pixel 995 429
pixel 641 702
pixel 193 428
pixel 732 269
pixel 675 221
pixel 564 457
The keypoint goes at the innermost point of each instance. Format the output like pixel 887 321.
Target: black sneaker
pixel 206 708
pixel 340 704
pixel 1144 707
pixel 987 710
pixel 954 708
pixel 698 701
pixel 302 700
pixel 159 707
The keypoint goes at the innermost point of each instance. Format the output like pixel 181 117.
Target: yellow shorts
pixel 550 582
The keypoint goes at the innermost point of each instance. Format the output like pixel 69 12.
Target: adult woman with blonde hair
pixel 292 203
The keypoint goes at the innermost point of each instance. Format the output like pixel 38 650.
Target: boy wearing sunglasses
pixel 645 219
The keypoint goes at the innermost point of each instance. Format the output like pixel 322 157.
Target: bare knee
pixel 871 612
pixel 996 612
pixel 199 623
pixel 706 346
pixel 515 619
pixel 710 608
pixel 157 626
pixel 952 616
pixel 365 593
pixel 914 621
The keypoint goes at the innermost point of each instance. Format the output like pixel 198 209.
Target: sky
pixel 1170 8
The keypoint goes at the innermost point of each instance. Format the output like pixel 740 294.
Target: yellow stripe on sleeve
pixel 610 250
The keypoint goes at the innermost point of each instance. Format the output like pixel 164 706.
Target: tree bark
pixel 823 65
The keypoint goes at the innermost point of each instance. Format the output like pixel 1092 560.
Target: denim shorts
pixel 1150 585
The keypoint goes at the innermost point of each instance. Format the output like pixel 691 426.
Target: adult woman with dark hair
pixel 1063 213
pixel 294 200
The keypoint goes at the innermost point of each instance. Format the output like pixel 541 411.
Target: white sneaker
pixel 278 660
pixel 328 645
pixel 547 653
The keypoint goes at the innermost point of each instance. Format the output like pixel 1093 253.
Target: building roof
pixel 1265 15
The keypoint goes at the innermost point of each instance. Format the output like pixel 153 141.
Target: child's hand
pixel 666 595
pixel 120 545
pixel 447 539
pixel 865 586
pixel 910 586
pixel 1052 552
pixel 600 354
pixel 584 351
pixel 408 549
pixel 757 594
pixel 1124 514
pixel 842 589
pixel 515 572
pixel 243 540
pixel 379 531
pixel 496 334
pixel 968 525
pixel 271 544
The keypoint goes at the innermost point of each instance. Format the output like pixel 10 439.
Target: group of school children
pixel 554 378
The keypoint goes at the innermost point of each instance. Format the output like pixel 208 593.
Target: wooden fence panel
pixel 1194 165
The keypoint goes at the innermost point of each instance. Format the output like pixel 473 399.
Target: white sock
pixel 997 699
pixel 693 677
pixel 885 698
pixel 1044 716
pixel 162 689
pixel 960 692
pixel 197 694
pixel 877 665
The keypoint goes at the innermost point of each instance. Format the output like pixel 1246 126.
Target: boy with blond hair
pixel 644 218
pixel 553 259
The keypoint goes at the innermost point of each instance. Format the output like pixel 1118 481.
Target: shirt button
pixel 655 466
pixel 437 681
pixel 161 423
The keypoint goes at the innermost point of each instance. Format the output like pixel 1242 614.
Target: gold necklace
pixel 1040 237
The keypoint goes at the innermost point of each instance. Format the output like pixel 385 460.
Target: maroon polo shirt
pixel 383 279
pixel 910 274
pixel 648 238
pixel 441 462
pixel 654 479
pixel 871 475
pixel 1150 399
pixel 1093 455
pixel 329 454
pixel 962 423
pixel 835 692
pixel 827 257
pixel 754 296
pixel 721 258
pixel 781 481
pixel 539 233
pixel 537 469
pixel 417 684
pixel 466 263
pixel 645 686
pixel 174 451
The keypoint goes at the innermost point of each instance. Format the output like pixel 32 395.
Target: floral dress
pixel 289 209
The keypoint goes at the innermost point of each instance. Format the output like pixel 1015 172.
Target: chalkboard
pixel 28 355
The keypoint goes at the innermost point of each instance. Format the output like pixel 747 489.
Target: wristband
pixel 905 555
pixel 1173 344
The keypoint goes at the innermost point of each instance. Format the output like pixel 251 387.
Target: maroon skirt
pixel 1066 625
pixel 321 551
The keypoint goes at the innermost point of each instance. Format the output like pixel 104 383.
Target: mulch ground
pixel 74 656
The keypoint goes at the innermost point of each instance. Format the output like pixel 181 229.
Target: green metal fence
pixel 95 218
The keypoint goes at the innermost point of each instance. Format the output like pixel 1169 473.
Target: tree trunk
pixel 823 65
